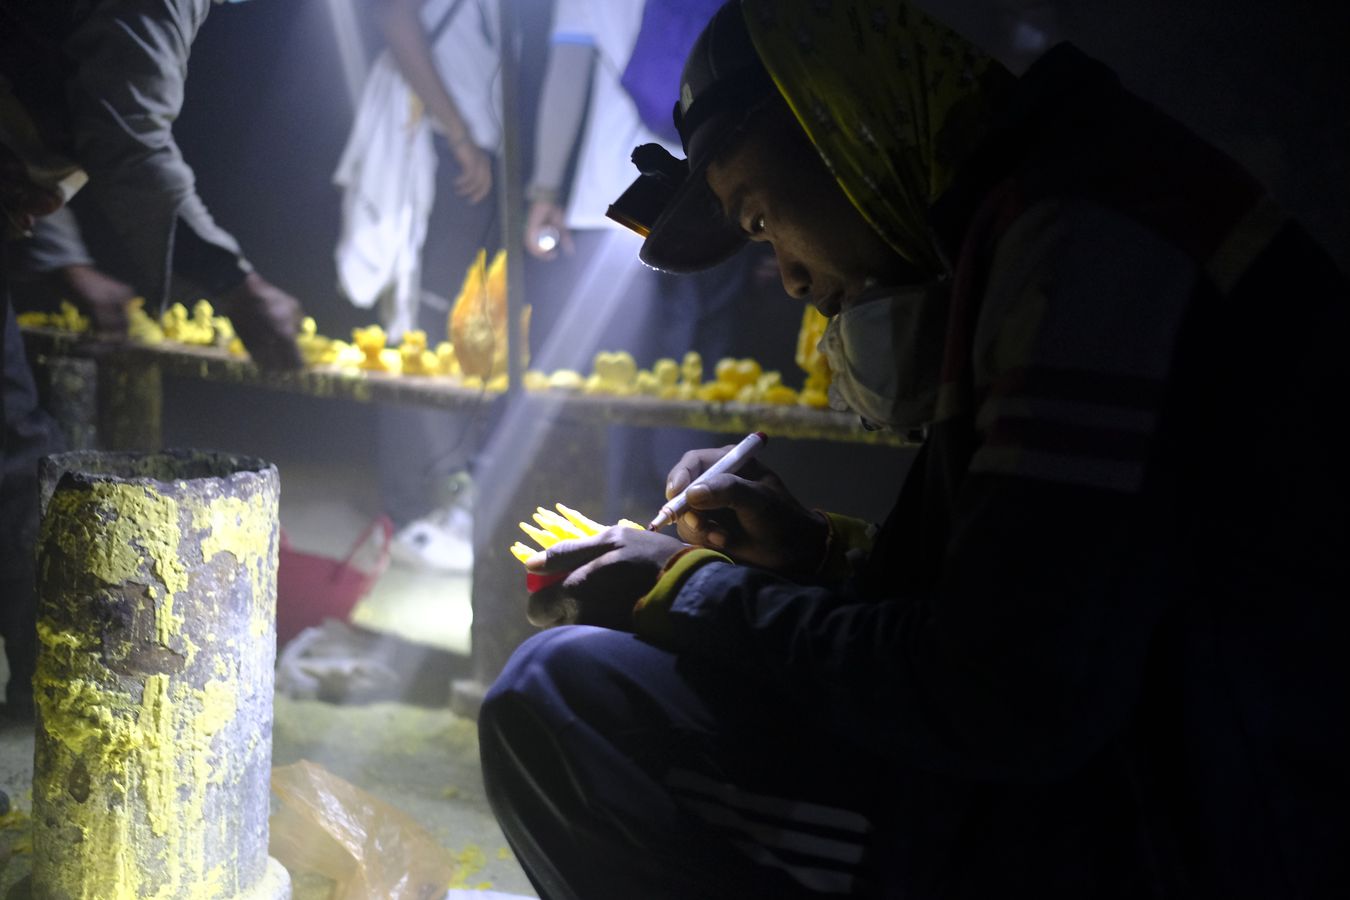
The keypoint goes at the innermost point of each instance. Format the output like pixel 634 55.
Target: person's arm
pixel 22 201
pixel 126 91
pixel 562 109
pixel 401 24
pixel 1026 654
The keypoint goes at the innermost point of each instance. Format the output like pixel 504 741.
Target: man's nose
pixel 796 278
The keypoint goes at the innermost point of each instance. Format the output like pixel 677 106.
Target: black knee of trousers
pixel 534 792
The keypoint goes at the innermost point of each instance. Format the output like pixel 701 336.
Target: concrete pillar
pixel 156 623
pixel 536 458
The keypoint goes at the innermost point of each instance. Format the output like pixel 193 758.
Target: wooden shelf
pixel 217 366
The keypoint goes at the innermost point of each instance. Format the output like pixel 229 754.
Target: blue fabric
pixel 652 76
pixel 591 740
pixel 573 37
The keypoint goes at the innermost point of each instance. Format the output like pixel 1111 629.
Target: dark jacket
pixel 1100 631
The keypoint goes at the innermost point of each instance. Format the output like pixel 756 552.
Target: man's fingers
pixel 270 349
pixel 693 464
pixel 586 572
pixel 696 462
pixel 566 555
pixel 725 491
pixel 474 184
pixel 702 530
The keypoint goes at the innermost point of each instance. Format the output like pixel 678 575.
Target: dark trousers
pixel 26 435
pixel 619 770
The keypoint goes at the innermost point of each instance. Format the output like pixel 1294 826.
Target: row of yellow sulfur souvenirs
pixel 475 354
pixel 615 373
pixel 200 328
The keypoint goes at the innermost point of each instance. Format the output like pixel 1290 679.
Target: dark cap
pixel 670 203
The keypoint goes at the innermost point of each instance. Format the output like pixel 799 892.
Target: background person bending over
pixel 1093 651
pixel 102 83
pixel 96 86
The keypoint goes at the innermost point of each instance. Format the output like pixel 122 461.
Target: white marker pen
pixel 734 459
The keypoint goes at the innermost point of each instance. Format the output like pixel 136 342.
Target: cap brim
pixel 693 233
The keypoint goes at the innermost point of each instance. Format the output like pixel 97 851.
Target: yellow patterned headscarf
pixel 891 98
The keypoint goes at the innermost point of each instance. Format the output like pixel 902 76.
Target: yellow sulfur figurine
pixel 141 328
pixel 551 527
pixel 446 361
pixel 566 380
pixel 738 372
pixel 376 356
pixel 68 319
pixel 416 358
pixel 613 373
pixel 667 375
pixel 477 324
pixel 815 392
pixel 313 346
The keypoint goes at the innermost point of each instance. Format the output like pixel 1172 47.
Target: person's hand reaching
pixel 22 200
pixel 100 296
pixel 267 320
pixel 543 215
pixel 474 180
pixel 750 516
pixel 610 572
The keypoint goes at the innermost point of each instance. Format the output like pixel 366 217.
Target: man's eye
pixel 756 226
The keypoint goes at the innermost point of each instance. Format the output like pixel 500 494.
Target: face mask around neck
pixel 885 354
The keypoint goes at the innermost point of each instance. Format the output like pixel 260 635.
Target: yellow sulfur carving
pixel 564 525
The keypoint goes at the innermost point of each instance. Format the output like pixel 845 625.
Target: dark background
pixel 268 111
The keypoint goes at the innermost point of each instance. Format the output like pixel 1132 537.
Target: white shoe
pixel 441 541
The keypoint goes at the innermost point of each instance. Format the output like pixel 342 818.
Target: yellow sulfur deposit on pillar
pixel 156 629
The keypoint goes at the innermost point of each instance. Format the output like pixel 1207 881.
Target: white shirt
pixel 467 58
pixel 613 127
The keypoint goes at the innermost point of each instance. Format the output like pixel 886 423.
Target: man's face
pixel 775 186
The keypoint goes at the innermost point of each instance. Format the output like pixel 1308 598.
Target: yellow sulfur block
pixel 814 398
pixel 566 380
pixel 541 537
pixel 588 526
pixel 616 372
pixel 556 524
pixel 717 392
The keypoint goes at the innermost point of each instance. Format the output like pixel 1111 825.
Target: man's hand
pixel 100 296
pixel 22 201
pixel 609 573
pixel 544 214
pixel 267 320
pixel 474 180
pixel 750 516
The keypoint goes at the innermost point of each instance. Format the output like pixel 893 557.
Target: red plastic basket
pixel 311 588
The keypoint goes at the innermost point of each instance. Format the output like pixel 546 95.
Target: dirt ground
pixel 422 761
